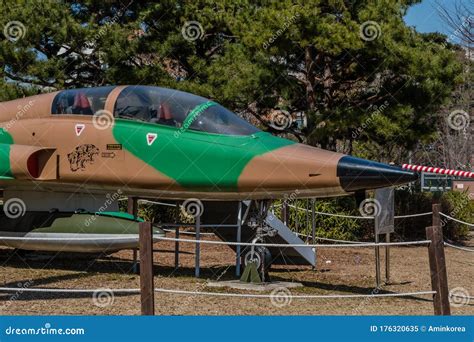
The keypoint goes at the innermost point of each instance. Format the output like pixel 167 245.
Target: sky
pixel 425 18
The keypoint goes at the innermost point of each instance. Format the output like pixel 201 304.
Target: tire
pixel 260 253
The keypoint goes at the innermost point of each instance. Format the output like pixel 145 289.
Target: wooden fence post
pixel 439 277
pixel 436 221
pixel 132 207
pixel 147 287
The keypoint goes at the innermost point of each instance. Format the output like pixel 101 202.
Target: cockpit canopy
pixel 157 105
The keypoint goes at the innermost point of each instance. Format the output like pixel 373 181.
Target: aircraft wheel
pixel 260 253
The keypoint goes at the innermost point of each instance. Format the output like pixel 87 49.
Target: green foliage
pixel 251 56
pixel 454 203
pixel 155 213
pixel 409 202
pixel 460 206
pixel 327 226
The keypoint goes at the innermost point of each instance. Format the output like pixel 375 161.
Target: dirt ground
pixel 339 271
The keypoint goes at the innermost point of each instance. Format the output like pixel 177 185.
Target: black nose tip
pixel 360 174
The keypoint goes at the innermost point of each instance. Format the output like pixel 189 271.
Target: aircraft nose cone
pixel 360 174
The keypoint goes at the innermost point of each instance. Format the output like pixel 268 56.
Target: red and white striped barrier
pixel 441 171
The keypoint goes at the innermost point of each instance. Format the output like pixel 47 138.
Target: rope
pixel 459 221
pixel 26 238
pixel 359 217
pixel 414 215
pixel 368 244
pixel 215 294
pixel 327 239
pixel 186 233
pixel 458 247
pixel 459 296
pixel 328 214
pixel 56 290
pixel 219 294
pixel 152 202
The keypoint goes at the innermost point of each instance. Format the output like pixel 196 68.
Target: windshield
pixel 179 109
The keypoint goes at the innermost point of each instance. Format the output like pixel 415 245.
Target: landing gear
pixel 262 259
pixel 258 259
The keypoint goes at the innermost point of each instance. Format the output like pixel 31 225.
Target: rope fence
pixel 187 233
pixel 214 294
pixel 459 247
pixel 328 239
pixel 454 219
pixel 362 244
pixel 353 216
pixel 373 217
pixel 463 297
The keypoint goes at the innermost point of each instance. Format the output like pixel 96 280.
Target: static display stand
pixel 132 209
pixel 197 266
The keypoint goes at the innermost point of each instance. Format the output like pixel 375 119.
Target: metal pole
pixel 284 211
pixel 132 209
pixel 135 261
pixel 377 261
pixel 147 288
pixel 296 216
pixel 307 216
pixel 176 249
pixel 387 259
pixel 239 238
pixel 198 246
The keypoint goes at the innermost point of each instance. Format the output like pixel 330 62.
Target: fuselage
pixel 163 143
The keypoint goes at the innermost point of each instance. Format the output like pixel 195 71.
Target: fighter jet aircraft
pixel 66 155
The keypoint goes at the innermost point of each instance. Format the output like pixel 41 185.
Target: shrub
pixel 460 206
pixel 327 226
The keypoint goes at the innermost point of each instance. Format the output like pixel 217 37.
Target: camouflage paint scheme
pixel 45 151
